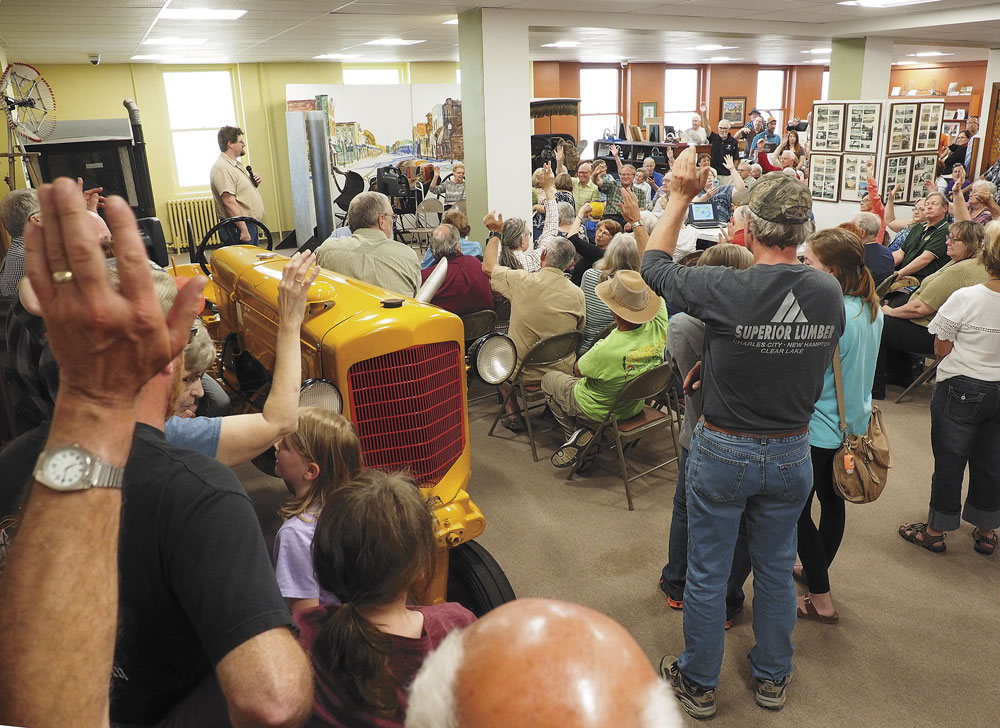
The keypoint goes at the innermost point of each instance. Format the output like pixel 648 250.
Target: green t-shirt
pixel 616 360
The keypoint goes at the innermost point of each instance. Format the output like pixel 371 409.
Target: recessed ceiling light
pixel 720 59
pixel 393 42
pixel 200 14
pixel 453 21
pixel 904 63
pixel 885 3
pixel 714 47
pixel 562 44
pixel 817 50
pixel 928 54
pixel 173 41
pixel 331 56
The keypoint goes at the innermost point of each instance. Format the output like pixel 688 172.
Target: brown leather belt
pixel 737 433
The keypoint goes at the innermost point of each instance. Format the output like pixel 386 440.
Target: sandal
pixel 917 533
pixel 811 613
pixel 984 544
pixel 514 423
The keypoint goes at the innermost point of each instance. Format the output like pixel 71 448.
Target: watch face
pixel 66 468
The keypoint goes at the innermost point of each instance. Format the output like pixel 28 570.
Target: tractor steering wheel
pixel 200 253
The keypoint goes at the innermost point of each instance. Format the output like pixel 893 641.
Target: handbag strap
pixel 838 381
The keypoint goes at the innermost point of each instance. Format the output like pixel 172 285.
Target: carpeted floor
pixel 917 630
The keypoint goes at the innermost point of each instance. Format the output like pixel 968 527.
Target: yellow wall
pixel 96 92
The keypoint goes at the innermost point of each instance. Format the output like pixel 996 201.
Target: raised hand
pixel 730 163
pixel 687 181
pixel 547 178
pixel 296 277
pixel 629 206
pixel 92 197
pixel 585 211
pixel 493 222
pixel 108 342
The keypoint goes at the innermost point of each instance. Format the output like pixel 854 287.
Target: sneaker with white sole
pixel 771 693
pixel 568 455
pixel 696 701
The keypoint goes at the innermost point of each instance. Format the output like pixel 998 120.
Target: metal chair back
pixel 550 350
pixel 883 288
pixel 648 384
pixel 479 324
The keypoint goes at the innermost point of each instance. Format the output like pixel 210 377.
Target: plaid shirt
pixel 31 370
pixel 12 269
pixel 613 189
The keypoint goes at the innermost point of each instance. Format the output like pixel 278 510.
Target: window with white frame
pixel 598 105
pixel 371 76
pixel 680 97
pixel 825 93
pixel 771 94
pixel 194 128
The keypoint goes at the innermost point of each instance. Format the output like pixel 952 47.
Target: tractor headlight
pixel 493 358
pixel 321 393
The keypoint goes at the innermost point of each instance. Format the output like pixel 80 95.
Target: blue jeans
pixel 675 572
pixel 965 429
pixel 230 234
pixel 768 479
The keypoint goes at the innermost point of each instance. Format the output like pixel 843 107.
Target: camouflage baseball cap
pixel 776 197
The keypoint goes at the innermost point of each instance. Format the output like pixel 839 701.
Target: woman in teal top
pixel 839 253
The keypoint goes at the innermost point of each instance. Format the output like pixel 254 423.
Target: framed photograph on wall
pixel 827 128
pixel 647 109
pixel 853 182
pixel 929 127
pixel 902 127
pixel 824 177
pixel 733 109
pixel 951 128
pixel 862 128
pixel 924 167
pixel 897 172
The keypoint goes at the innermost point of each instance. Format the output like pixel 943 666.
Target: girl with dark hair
pixel 323 454
pixel 839 253
pixel 374 547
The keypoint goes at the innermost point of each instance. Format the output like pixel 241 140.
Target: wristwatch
pixel 70 467
pixel 638 223
pixel 493 234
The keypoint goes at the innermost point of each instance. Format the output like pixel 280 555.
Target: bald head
pixel 539 662
pixel 102 232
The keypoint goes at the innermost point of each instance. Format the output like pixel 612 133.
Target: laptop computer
pixel 702 215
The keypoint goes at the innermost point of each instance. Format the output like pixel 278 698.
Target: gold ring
pixel 62 276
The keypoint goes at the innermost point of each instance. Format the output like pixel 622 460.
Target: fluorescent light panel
pixel 928 54
pixel 714 47
pixel 331 56
pixel 818 50
pixel 720 59
pixel 562 44
pixel 172 41
pixel 885 3
pixel 453 21
pixel 200 14
pixel 393 42
pixel 820 60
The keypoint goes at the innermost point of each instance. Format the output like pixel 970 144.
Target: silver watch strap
pixel 105 475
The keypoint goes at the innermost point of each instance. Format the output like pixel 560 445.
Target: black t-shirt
pixel 195 579
pixel 720 148
pixel 589 254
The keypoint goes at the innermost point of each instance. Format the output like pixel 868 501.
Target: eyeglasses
pixel 192 334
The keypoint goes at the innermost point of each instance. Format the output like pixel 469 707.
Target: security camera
pixel 95 59
pixel 624 63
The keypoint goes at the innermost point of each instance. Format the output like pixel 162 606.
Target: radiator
pixel 200 211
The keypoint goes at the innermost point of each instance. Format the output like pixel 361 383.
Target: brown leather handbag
pixel 862 463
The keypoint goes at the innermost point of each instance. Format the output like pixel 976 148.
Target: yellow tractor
pixel 394 366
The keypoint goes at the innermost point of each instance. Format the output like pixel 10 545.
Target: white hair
pixel 432 702
pixel 432 693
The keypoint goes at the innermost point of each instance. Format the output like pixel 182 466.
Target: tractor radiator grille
pixel 407 409
pixel 200 211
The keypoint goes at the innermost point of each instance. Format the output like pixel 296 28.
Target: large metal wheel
pixel 200 253
pixel 475 579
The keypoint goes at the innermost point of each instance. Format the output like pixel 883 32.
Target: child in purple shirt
pixel 321 456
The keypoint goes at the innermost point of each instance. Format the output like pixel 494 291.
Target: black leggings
pixel 818 546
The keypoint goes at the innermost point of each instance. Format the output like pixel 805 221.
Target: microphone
pixel 253 180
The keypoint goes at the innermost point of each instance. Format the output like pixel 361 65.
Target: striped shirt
pixel 598 314
pixel 12 269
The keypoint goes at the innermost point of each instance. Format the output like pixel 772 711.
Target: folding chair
pixel 647 385
pixel 459 205
pixel 421 233
pixel 926 374
pixel 550 350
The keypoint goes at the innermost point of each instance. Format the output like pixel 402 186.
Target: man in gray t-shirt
pixel 770 333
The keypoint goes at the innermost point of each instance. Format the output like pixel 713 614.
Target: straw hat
pixel 628 296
